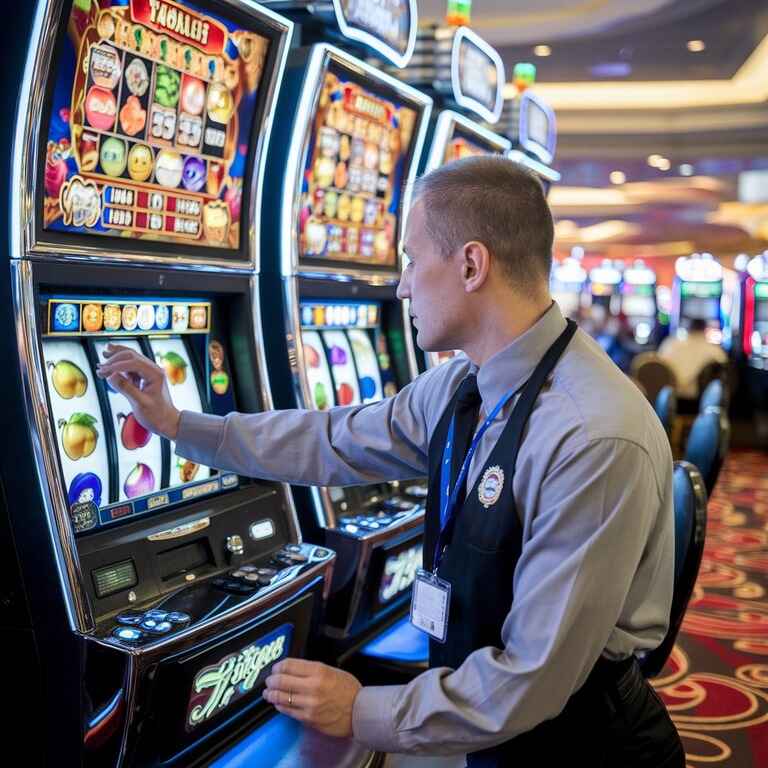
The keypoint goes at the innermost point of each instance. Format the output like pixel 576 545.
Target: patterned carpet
pixel 716 682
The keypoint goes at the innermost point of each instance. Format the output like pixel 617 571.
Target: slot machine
pixel 567 286
pixel 696 294
pixel 754 313
pixel 604 285
pixel 531 126
pixel 464 75
pixel 638 302
pixel 159 592
pixel 340 170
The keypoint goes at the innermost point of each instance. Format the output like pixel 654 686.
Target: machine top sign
pixel 387 26
pixel 477 75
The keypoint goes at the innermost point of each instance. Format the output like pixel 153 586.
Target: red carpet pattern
pixel 715 684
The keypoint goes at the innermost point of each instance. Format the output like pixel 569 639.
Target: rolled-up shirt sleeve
pixel 596 509
pixel 387 440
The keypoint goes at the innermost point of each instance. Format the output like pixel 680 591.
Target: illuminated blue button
pixel 156 614
pixel 350 528
pixel 128 634
pixel 320 552
pixel 293 548
pixel 148 624
pixel 385 521
pixel 177 617
pixel 130 619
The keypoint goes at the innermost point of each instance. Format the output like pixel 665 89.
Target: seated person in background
pixel 687 357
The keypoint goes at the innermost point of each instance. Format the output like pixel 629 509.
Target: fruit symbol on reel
pixel 175 367
pixel 78 435
pixel 140 481
pixel 187 470
pixel 68 379
pixel 132 434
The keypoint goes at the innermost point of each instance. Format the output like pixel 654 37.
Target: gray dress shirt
pixel 593 488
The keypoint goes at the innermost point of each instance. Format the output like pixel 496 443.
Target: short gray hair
pixel 497 202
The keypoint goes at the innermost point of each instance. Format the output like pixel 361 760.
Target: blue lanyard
pixel 448 497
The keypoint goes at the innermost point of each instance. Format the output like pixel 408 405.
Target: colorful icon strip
pixel 320 315
pixel 95 317
pixel 123 509
pixel 137 209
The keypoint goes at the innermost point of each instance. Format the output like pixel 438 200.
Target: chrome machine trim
pixel 266 395
pixel 50 481
pixel 35 79
pixel 550 174
pixel 445 122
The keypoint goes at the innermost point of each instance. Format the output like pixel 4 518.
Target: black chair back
pixel 652 373
pixel 708 444
pixel 710 372
pixel 666 407
pixel 690 500
pixel 713 396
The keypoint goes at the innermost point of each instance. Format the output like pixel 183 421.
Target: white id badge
pixel 430 601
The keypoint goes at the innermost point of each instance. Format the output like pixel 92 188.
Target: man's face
pixel 433 284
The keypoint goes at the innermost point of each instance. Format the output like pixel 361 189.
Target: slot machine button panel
pixel 130 619
pixel 128 634
pixel 178 617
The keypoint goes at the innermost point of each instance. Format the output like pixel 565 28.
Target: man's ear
pixel 476 265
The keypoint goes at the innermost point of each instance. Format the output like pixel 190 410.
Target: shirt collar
pixel 512 366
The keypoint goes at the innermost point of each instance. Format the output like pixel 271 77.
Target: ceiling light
pixel 617 177
pixel 653 160
pixel 664 164
pixel 686 169
pixel 542 50
pixel 695 46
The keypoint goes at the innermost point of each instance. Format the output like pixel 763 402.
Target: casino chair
pixel 665 406
pixel 714 395
pixel 690 502
pixel 711 372
pixel 708 444
pixel 652 373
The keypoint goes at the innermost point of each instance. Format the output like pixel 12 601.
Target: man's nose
pixel 403 289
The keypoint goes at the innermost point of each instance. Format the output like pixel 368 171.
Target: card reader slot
pixel 176 561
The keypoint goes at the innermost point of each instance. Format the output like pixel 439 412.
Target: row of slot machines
pixel 732 302
pixel 606 290
pixel 217 186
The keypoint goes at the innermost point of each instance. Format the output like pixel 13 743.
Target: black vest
pixel 485 544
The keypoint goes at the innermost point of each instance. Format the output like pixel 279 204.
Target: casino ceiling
pixel 662 116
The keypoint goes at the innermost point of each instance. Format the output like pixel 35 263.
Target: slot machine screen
pixel 638 306
pixel 152 122
pixel 361 145
pixel 113 468
pixel 345 353
pixel 700 301
pixel 466 144
pixel 538 124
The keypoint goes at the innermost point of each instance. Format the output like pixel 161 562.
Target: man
pixel 554 528
pixel 689 355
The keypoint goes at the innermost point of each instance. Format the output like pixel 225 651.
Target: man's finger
pixel 138 365
pixel 290 700
pixel 285 682
pixel 298 667
pixel 124 385
pixel 112 349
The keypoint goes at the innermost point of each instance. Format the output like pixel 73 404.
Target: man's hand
pixel 314 693
pixel 144 384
